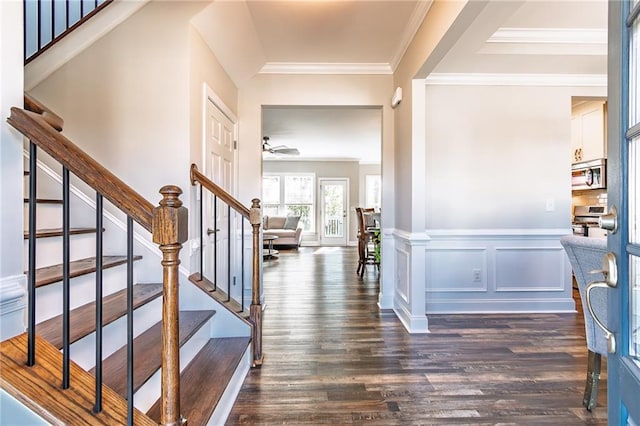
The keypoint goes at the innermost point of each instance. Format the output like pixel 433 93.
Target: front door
pixel 333 198
pixel 623 148
pixel 220 223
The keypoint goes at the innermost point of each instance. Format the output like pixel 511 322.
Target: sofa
pixel 286 228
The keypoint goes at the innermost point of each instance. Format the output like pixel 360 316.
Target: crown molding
pixel 553 80
pixel 417 16
pixel 325 68
pixel 550 35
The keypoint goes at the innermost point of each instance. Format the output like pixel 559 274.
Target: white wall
pixel 498 196
pixel 12 279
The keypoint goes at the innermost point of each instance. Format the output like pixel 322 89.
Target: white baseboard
pixel 509 306
pixel 12 305
pixel 413 323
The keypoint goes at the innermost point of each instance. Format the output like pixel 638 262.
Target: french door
pixel 623 194
pixel 333 198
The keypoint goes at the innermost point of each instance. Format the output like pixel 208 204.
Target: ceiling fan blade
pixel 285 151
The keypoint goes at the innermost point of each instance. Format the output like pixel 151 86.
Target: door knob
pixel 609 221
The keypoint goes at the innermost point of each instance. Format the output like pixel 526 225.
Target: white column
pixel 12 278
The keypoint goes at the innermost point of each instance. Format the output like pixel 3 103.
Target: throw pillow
pixel 291 222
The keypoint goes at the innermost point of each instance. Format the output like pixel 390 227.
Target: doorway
pixel 333 211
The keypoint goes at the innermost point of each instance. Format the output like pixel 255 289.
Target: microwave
pixel 589 174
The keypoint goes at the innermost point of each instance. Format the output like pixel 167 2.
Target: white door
pixel 219 224
pixel 333 208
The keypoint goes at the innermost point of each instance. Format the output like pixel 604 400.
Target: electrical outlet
pixel 476 275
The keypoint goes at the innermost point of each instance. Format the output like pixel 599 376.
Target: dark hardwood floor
pixel 332 357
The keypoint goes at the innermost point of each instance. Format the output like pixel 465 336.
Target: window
pixel 373 191
pixel 270 195
pixel 290 195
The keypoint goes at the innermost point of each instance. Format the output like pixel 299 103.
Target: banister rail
pixel 38 130
pixel 224 196
pixel 169 228
pixel 254 216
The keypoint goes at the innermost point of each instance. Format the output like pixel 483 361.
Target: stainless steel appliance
pixel 585 221
pixel 589 174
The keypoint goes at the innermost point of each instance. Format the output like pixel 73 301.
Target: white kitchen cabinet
pixel 588 131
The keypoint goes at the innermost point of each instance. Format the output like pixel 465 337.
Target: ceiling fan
pixel 280 149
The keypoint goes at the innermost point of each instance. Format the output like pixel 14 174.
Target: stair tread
pixel 45 200
pixel 221 296
pixel 205 379
pixel 147 353
pixel 53 274
pixel 38 387
pixel 82 319
pixel 57 232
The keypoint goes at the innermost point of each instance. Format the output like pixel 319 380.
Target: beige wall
pixel 438 21
pixel 324 169
pixel 303 90
pixel 205 69
pixel 126 99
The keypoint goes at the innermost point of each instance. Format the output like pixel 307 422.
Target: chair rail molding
pixel 12 304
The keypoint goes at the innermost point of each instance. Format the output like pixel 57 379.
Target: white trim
pixel 550 35
pixel 502 306
pixel 505 233
pixel 494 79
pixel 12 293
pixel 228 398
pixel 409 237
pixel 417 17
pixel 413 323
pixel 325 68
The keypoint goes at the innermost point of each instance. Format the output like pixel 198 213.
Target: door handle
pixel 610 273
pixel 212 231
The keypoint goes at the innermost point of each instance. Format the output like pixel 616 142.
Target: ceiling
pixel 562 37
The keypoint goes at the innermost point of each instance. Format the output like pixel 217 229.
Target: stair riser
pixel 222 410
pixel 149 393
pixel 49 250
pixel 47 216
pixel 49 297
pixel 114 335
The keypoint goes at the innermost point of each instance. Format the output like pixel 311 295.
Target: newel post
pixel 255 310
pixel 170 230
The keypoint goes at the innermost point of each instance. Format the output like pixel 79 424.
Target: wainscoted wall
pixel 473 271
pixel 497 271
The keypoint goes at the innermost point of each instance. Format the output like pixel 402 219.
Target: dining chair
pixel 366 252
pixel 586 255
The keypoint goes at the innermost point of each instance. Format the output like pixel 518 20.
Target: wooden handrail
pixel 254 215
pixel 40 132
pixel 197 177
pixel 33 105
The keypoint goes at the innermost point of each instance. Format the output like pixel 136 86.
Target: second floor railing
pixel 47 21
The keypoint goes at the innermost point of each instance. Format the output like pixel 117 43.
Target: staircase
pixel 131 352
